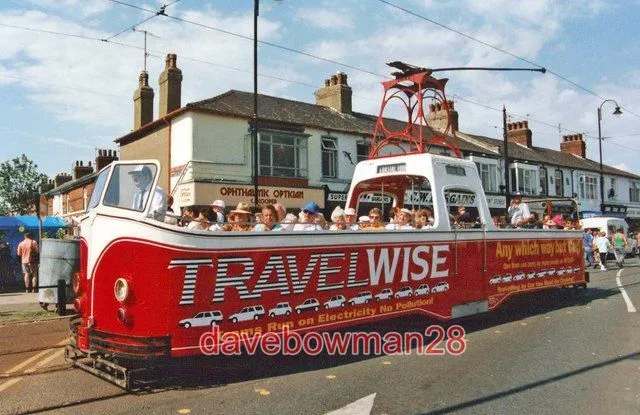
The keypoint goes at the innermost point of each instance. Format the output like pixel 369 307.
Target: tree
pixel 20 185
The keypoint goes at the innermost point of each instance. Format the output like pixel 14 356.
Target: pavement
pixel 21 306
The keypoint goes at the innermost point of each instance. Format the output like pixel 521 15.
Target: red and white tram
pixel 147 289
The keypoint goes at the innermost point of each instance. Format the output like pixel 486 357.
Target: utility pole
pixel 254 128
pixel 505 153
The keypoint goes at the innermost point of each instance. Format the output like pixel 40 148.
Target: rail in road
pixel 539 349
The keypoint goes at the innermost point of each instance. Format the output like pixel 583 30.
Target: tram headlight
pixel 121 289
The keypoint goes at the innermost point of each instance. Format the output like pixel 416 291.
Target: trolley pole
pixel 254 128
pixel 505 145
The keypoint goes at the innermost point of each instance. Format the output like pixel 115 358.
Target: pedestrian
pixel 29 253
pixel 588 248
pixel 620 243
pixel 603 244
pixel 6 272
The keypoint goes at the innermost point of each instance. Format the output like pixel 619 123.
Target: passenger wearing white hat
pixel 218 207
pixel 337 217
pixel 350 219
pixel 364 222
pixel 403 220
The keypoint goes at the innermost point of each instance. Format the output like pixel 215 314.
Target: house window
pixel 612 192
pixel 558 182
pixel 489 176
pixel 544 186
pixel 329 158
pixel 282 155
pixel 363 151
pixel 527 181
pixel 634 192
pixel 588 187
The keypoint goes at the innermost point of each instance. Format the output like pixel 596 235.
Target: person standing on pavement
pixel 28 252
pixel 602 244
pixel 588 248
pixel 620 242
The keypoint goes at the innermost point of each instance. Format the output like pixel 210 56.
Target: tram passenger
pixel 239 219
pixel 519 211
pixel 393 214
pixel 170 217
pixel 218 207
pixel 403 220
pixel 364 222
pixel 375 215
pixel 289 222
pixel 496 221
pixel 350 219
pixel 269 220
pixel 191 215
pixel 308 220
pixel 282 212
pixel 338 219
pixel 423 219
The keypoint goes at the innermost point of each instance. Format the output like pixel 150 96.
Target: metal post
pixel 62 297
pixel 601 169
pixel 254 129
pixel 506 155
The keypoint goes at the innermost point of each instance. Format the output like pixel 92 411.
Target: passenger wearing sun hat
pixel 239 218
pixel 308 218
pixel 403 220
pixel 350 219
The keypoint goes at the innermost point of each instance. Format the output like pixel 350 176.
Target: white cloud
pixel 326 19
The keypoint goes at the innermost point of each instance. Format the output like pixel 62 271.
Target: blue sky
pixel 65 96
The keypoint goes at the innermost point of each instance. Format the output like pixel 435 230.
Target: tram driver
pixel 143 178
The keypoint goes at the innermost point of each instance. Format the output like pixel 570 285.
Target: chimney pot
pixel 336 93
pixel 327 82
pixel 432 108
pixel 170 81
pixel 334 79
pixel 450 104
pixel 142 102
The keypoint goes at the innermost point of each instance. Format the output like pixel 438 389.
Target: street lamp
pixel 616 112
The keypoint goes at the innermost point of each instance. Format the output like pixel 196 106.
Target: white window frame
pixel 588 187
pixel 329 150
pixel 300 169
pixel 365 156
pixel 526 180
pixel 634 192
pixel 488 173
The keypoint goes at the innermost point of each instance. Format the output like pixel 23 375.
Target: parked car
pixel 362 298
pixel 335 302
pixel 404 292
pixel 422 290
pixel 385 294
pixel 440 287
pixel 281 309
pixel 309 304
pixel 248 313
pixel 495 280
pixel 203 318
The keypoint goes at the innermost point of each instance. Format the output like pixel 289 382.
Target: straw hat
pixel 242 208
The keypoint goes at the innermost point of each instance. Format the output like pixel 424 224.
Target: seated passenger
pixel 239 219
pixel 308 220
pixel 218 207
pixel 338 219
pixel 350 219
pixel 364 222
pixel 463 216
pixel 170 218
pixel 393 214
pixel 403 220
pixel 424 219
pixel 269 220
pixel 376 220
pixel 191 216
pixel 282 212
pixel 289 222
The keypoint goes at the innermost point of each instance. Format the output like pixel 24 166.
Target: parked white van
pixel 609 225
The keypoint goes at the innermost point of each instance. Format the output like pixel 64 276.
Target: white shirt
pixel 519 213
pixel 395 226
pixel 158 203
pixel 307 227
pixel 194 224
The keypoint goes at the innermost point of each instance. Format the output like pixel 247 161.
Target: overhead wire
pixel 489 45
pixel 158 13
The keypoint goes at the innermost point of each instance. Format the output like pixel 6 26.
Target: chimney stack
pixel 104 158
pixel 142 102
pixel 170 86
pixel 336 93
pixel 62 178
pixel 519 132
pixel 574 144
pixel 438 118
pixel 80 170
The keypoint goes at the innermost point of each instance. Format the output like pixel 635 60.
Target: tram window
pixel 123 189
pixel 462 207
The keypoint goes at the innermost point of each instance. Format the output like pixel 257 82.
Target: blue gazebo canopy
pixel 14 227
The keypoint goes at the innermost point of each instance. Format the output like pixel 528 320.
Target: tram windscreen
pixel 129 186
